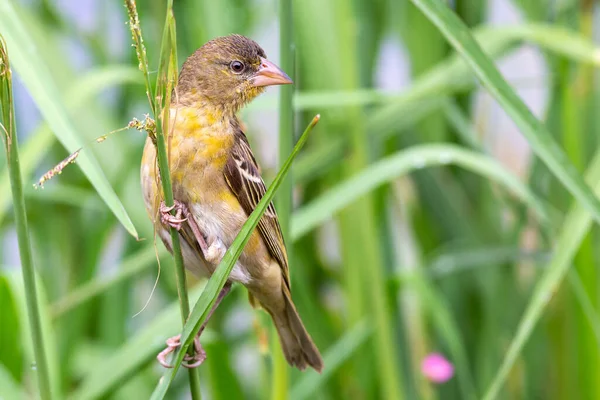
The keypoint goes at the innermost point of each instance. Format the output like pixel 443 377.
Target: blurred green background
pixel 422 220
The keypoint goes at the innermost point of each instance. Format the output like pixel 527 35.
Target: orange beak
pixel 269 74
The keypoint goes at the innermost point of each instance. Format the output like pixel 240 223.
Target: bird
pixel 217 184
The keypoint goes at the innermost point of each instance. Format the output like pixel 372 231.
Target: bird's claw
pixel 189 361
pixel 174 221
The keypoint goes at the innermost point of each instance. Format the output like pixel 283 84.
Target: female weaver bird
pixel 217 185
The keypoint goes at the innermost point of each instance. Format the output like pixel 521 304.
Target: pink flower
pixel 436 368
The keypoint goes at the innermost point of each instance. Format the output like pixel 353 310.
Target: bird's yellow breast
pixel 198 145
pixel 199 136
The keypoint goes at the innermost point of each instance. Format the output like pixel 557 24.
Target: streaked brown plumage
pixel 217 181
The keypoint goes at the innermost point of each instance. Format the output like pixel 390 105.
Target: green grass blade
pixel 447 329
pixel 316 162
pixel 325 206
pixel 130 267
pixel 78 95
pixel 585 302
pixel 9 389
pixel 160 103
pixel 8 133
pixel 43 89
pixel 15 281
pixel 452 74
pixel 558 40
pixel 577 223
pixel 309 384
pixel 536 133
pixel 128 360
pixel 283 200
pixel 463 260
pixel 219 277
pixel 11 351
pixel 68 195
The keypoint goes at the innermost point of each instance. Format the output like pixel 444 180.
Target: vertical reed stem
pixel 165 81
pixel 14 169
pixel 284 197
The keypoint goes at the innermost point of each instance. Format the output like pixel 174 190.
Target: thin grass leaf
pixel 283 200
pixel 68 195
pixel 558 40
pixel 452 262
pixel 11 348
pixel 221 274
pixel 539 138
pixel 447 329
pixel 453 74
pixel 311 382
pixel 78 95
pixel 585 302
pixel 133 265
pixel 9 389
pixel 319 35
pixel 329 203
pixel 316 162
pixel 43 89
pixel 576 225
pixel 128 360
pixel 8 133
pixel 15 281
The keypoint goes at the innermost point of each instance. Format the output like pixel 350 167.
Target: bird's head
pixel 227 72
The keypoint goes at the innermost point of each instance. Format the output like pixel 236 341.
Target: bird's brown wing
pixel 244 180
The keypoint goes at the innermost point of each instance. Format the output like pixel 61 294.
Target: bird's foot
pixel 175 221
pixel 189 361
pixel 215 252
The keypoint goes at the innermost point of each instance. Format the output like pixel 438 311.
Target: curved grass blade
pixel 587 307
pixel 9 389
pixel 453 73
pixel 558 40
pixel 316 162
pixel 78 95
pixel 577 223
pixel 11 349
pixel 219 277
pixel 42 87
pixel 455 261
pixel 309 384
pixel 325 206
pixel 447 328
pixel 401 109
pixel 541 141
pixel 131 266
pixel 15 281
pixel 128 360
pixel 67 194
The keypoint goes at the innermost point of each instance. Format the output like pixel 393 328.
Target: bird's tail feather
pixel 297 345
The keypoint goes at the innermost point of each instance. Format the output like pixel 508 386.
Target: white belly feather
pixel 212 224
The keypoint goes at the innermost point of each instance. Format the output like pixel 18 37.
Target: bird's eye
pixel 237 66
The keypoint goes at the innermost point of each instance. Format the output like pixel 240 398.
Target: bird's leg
pixel 182 214
pixel 175 221
pixel 188 361
pixel 199 354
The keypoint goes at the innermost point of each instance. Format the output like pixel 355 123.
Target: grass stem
pixel 284 196
pixel 165 81
pixel 8 132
